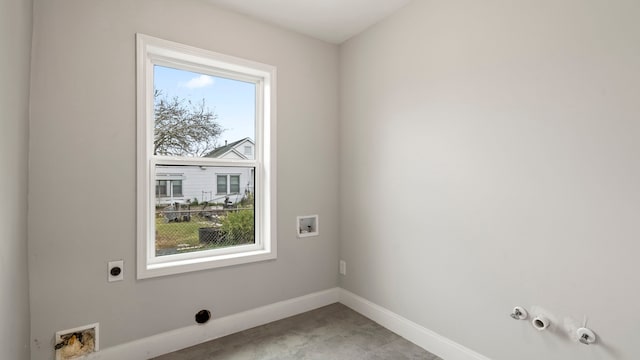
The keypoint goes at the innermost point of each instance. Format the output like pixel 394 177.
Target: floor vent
pixel 77 342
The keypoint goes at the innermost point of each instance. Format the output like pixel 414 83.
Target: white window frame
pixel 152 51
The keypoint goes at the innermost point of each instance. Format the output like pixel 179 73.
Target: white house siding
pixel 247 144
pixel 240 148
pixel 232 155
pixel 236 150
pixel 201 183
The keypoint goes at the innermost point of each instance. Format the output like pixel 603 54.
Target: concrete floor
pixel 333 332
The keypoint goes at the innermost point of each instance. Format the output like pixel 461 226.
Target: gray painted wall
pixel 82 180
pixel 15 47
pixel 514 125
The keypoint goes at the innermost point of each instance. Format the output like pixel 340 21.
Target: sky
pixel 232 100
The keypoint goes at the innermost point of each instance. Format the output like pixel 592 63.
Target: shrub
pixel 239 226
pixel 247 200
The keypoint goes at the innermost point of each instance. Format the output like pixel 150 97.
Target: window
pixel 234 184
pixel 171 188
pixel 176 188
pixel 222 184
pixel 161 188
pixel 199 205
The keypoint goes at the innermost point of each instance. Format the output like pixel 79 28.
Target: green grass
pixel 185 235
pixel 170 235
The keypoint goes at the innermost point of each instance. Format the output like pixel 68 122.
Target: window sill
pixel 203 263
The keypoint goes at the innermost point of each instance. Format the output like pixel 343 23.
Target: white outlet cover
pixel 112 264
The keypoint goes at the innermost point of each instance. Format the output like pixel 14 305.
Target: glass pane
pixel 177 188
pixel 222 184
pixel 235 184
pixel 161 188
pixel 199 115
pixel 202 219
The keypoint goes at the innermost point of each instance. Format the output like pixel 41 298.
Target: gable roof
pixel 223 150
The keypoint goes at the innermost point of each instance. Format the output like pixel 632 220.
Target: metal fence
pixel 184 228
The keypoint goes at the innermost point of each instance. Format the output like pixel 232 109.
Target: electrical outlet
pixel 115 270
pixel 343 267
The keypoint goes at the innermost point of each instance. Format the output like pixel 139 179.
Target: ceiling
pixel 330 20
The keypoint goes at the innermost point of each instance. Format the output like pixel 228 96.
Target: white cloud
pixel 199 82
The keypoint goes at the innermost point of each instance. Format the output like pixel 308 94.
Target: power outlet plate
pixel 343 267
pixel 115 270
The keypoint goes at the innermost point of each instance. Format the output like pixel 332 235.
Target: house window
pixel 161 188
pixel 183 93
pixel 168 188
pixel 222 184
pixel 176 188
pixel 248 150
pixel 234 184
pixel 228 184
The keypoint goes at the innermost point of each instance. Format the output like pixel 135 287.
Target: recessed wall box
pixel 77 342
pixel 307 226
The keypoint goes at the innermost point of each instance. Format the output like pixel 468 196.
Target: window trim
pixel 152 51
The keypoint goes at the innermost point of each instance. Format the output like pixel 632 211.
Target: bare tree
pixel 183 128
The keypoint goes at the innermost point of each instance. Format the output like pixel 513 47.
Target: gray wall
pixel 82 180
pixel 15 47
pixel 514 125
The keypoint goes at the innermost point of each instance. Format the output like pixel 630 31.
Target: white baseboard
pixel 170 341
pixel 419 335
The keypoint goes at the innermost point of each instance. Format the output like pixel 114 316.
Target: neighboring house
pixel 204 183
pixel 241 149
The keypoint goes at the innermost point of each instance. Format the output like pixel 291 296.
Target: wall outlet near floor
pixel 343 267
pixel 115 270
